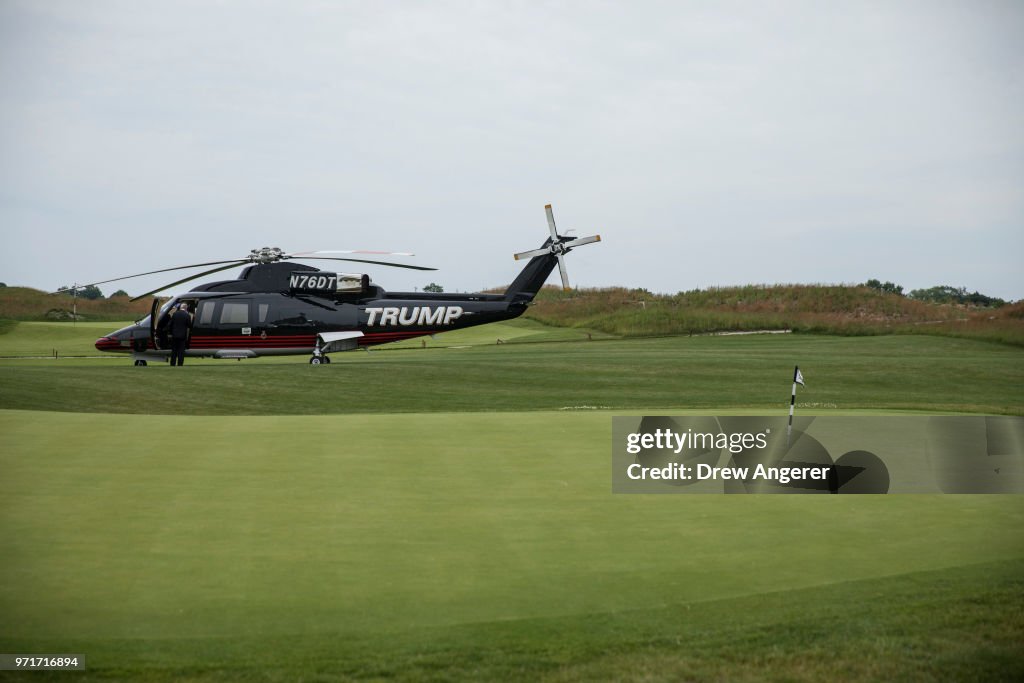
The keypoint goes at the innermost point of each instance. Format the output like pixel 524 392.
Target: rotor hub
pixel 266 255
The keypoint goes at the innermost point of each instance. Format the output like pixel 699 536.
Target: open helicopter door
pixel 154 312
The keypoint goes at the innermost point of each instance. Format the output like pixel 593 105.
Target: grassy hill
pixel 25 303
pixel 828 309
pixel 621 312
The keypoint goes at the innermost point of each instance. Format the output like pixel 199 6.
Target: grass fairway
pixel 42 339
pixel 471 546
pixel 713 373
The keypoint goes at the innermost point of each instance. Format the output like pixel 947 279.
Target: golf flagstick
pixel 797 379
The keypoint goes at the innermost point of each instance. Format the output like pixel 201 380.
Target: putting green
pixel 166 527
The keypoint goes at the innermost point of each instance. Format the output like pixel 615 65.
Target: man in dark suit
pixel 180 323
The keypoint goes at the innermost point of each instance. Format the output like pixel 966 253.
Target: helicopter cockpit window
pixel 263 309
pixel 234 313
pixel 205 316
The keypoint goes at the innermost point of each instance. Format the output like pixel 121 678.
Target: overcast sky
pixel 710 143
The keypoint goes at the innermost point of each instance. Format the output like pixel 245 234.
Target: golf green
pixel 160 527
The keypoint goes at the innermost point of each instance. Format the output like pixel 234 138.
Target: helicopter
pixel 277 308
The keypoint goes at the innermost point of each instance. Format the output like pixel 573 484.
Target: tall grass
pixel 25 303
pixel 824 309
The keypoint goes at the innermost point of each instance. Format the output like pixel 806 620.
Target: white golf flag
pixel 799 379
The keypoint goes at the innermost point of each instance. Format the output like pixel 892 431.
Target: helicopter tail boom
pixel 531 279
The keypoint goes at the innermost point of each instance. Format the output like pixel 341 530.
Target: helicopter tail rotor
pixel 557 246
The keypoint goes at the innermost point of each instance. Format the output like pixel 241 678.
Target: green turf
pixel 45 338
pixel 714 373
pixel 956 624
pixel 465 546
pixel 437 514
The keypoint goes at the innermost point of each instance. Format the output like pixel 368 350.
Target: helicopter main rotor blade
pixel 263 256
pixel 359 260
pixel 152 272
pixel 233 264
pixel 350 251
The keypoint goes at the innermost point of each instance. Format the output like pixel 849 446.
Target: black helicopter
pixel 276 308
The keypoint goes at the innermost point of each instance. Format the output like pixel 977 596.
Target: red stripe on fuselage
pixel 208 342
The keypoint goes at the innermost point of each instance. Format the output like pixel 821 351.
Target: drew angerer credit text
pixel 666 439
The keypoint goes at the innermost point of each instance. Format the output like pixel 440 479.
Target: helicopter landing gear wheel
pixel 316 360
pixel 140 363
pixel 326 360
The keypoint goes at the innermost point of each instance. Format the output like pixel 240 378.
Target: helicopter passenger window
pixel 206 313
pixel 263 309
pixel 234 313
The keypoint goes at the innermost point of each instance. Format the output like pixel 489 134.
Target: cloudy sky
pixel 710 143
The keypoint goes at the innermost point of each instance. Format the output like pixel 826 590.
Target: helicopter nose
pixel 107 344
